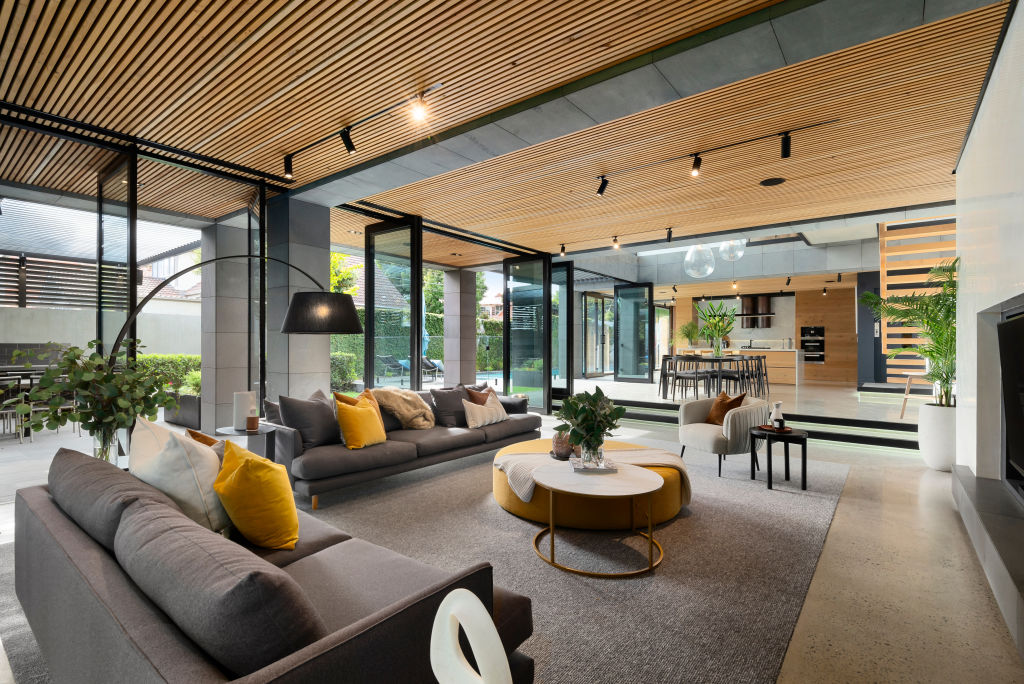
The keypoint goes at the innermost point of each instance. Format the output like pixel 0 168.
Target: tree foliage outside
pixel 344 276
pixel 935 315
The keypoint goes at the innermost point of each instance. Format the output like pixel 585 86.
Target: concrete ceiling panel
pixel 843 257
pixel 777 262
pixel 940 9
pixel 833 25
pixel 624 94
pixel 842 233
pixel 812 259
pixel 547 121
pixel 432 160
pixel 484 143
pixel 731 58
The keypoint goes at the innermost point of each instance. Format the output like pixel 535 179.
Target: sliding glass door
pixel 598 330
pixel 634 333
pixel 115 253
pixel 527 314
pixel 562 330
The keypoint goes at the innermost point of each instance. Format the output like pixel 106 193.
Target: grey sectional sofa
pixel 119 586
pixel 333 466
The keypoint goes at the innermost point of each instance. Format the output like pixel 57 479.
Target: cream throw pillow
pixel 181 468
pixel 491 412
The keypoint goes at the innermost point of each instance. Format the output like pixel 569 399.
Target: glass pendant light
pixel 733 249
pixel 699 261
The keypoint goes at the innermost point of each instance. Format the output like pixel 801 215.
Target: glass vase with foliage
pixel 718 322
pixel 102 395
pixel 690 331
pixel 588 419
pixel 934 314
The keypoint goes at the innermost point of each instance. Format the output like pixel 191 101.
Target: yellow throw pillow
pixel 354 401
pixel 360 425
pixel 258 498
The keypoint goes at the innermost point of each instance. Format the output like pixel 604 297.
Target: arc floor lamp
pixel 309 313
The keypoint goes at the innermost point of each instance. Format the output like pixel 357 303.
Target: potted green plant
pixel 689 330
pixel 587 420
pixel 187 414
pixel 934 314
pixel 103 395
pixel 718 322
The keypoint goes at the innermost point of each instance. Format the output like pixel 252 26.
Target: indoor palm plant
pixel 103 395
pixel 718 322
pixel 587 420
pixel 934 314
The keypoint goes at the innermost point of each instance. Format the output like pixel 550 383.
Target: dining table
pixel 715 363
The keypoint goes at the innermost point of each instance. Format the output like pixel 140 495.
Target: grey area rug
pixel 720 608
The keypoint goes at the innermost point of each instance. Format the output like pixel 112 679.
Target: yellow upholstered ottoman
pixel 590 513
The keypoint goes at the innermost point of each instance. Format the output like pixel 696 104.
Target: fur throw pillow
pixel 412 412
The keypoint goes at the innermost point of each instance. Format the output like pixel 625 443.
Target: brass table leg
pixel 650 531
pixel 551 522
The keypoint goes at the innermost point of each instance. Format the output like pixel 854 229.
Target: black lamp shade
pixel 321 313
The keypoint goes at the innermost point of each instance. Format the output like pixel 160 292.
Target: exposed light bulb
pixel 418 111
pixel 734 285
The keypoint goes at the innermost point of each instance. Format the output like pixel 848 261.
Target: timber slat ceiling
pixel 251 80
pixel 904 104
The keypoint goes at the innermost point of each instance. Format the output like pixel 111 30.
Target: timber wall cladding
pixel 907 252
pixel 837 313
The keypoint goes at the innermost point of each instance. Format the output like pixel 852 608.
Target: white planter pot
pixel 936 436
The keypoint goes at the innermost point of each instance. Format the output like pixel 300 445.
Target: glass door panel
pixel 527 326
pixel 115 291
pixel 598 331
pixel 394 295
pixel 634 333
pixel 561 330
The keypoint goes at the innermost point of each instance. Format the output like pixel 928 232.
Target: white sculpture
pixel 462 607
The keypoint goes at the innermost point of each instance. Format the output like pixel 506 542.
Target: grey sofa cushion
pixel 241 610
pixel 448 407
pixel 516 424
pixel 272 412
pixel 314 535
pixel 314 418
pixel 438 439
pixel 354 579
pixel 95 493
pixel 336 459
pixel 390 421
pixel 513 404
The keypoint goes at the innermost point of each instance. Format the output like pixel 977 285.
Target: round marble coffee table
pixel 630 481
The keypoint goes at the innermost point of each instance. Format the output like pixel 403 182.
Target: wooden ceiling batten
pixel 258 78
pixel 903 101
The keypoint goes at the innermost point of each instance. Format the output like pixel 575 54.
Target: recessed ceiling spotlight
pixel 356 232
pixel 455 254
pixel 768 182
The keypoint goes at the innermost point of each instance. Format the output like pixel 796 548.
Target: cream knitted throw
pixel 410 409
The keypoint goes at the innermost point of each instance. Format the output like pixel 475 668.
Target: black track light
pixel 786 145
pixel 669 234
pixel 288 166
pixel 787 281
pixel 615 242
pixel 695 171
pixel 346 137
pixel 561 252
pixel 673 301
pixel 603 186
pixel 839 277
pixel 824 291
pixel 674 289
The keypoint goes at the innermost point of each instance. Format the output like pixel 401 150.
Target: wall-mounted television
pixel 1011 362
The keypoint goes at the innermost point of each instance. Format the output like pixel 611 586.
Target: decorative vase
pixel 716 346
pixel 103 445
pixel 560 447
pixel 936 436
pixel 593 457
pixel 243 405
pixel 775 419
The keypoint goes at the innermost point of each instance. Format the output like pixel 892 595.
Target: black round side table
pixel 266 431
pixel 770 436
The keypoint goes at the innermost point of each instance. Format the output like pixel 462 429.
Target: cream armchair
pixel 731 437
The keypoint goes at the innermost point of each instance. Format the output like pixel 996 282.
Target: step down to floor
pixel 829 428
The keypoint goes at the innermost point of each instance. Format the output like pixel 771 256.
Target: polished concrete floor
pixel 898 594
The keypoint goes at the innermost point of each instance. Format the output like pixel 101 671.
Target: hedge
pixel 346 369
pixel 172 367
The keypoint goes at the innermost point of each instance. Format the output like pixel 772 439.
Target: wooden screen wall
pixel 907 252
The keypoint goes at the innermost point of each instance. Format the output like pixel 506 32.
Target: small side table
pixel 787 438
pixel 266 431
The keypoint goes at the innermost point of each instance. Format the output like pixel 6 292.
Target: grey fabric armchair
pixel 731 437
